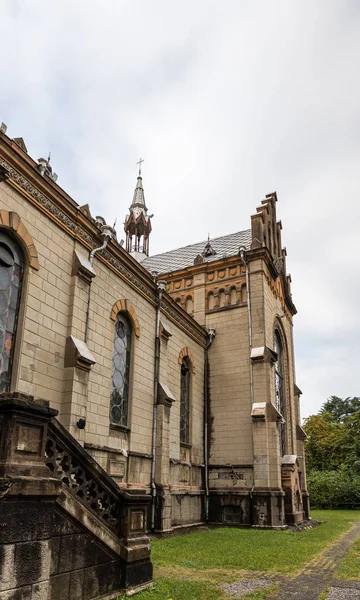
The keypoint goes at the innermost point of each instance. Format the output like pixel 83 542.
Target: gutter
pixel 161 285
pixel 211 334
pixel 107 233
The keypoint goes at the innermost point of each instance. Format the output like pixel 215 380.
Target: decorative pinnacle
pixel 139 163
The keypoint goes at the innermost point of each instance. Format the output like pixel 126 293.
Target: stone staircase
pixel 67 531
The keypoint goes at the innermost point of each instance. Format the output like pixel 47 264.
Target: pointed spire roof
pixel 139 196
pixel 137 225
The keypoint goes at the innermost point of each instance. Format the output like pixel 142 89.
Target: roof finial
pixel 49 157
pixel 208 250
pixel 139 163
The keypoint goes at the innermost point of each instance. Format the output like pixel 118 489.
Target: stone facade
pixel 230 469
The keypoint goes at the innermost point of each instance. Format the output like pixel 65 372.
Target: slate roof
pixel 181 258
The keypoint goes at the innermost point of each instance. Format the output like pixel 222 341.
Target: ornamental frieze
pixel 76 230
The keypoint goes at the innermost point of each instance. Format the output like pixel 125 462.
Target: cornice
pixel 48 197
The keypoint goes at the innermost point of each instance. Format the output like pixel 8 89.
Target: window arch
pixel 185 382
pixel 280 386
pixel 11 276
pixel 120 383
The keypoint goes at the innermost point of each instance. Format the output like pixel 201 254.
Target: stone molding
pixel 187 352
pixel 12 221
pixel 59 207
pixel 124 305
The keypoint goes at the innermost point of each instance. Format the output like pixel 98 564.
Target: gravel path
pixel 339 593
pixel 315 577
pixel 238 589
pixel 319 575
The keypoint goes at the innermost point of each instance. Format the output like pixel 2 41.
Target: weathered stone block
pixel 23 593
pixel 76 585
pixel 60 586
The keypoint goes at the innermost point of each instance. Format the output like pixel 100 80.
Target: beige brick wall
pixel 50 313
pixel 170 375
pixel 230 406
pixel 45 300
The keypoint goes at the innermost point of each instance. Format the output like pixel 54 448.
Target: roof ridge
pixel 198 243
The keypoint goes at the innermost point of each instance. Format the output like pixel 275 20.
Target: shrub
pixel 334 489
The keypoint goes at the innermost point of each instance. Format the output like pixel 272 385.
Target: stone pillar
pixel 291 486
pixel 162 472
pixel 24 424
pixel 27 497
pixel 78 358
pixel 135 548
pixel 199 298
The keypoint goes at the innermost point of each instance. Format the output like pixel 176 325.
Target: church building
pixel 174 372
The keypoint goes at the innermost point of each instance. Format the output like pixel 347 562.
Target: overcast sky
pixel 226 101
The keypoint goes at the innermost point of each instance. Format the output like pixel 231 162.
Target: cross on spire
pixel 139 163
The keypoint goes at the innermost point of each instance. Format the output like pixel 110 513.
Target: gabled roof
pixel 182 258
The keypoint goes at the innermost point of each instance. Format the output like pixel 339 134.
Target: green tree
pixel 333 453
pixel 323 444
pixel 341 408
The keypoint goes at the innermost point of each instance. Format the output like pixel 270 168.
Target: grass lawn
pixel 189 567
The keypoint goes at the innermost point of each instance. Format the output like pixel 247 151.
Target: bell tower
pixel 137 224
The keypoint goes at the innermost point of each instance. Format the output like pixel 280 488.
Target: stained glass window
pixel 11 274
pixel 185 401
pixel 279 388
pixel 119 401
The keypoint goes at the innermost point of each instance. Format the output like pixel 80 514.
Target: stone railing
pixel 82 476
pixel 56 500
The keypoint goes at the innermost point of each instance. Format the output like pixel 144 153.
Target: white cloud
pixel 226 102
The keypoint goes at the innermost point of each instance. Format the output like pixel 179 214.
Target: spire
pixel 137 224
pixel 139 196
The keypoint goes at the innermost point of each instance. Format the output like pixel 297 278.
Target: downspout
pixel 242 254
pixel 211 334
pixel 161 285
pixel 107 233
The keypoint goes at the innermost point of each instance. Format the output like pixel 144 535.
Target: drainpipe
pixel 107 233
pixel 242 254
pixel 161 285
pixel 211 334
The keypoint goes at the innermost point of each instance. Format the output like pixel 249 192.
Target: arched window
pixel 280 387
pixel 185 401
pixel 11 275
pixel 119 401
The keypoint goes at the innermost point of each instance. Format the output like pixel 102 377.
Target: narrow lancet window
pixel 185 401
pixel 11 275
pixel 280 388
pixel 119 401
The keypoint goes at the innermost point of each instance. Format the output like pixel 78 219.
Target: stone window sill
pixel 119 427
pixel 185 445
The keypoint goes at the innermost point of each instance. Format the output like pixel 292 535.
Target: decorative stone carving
pixel 187 352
